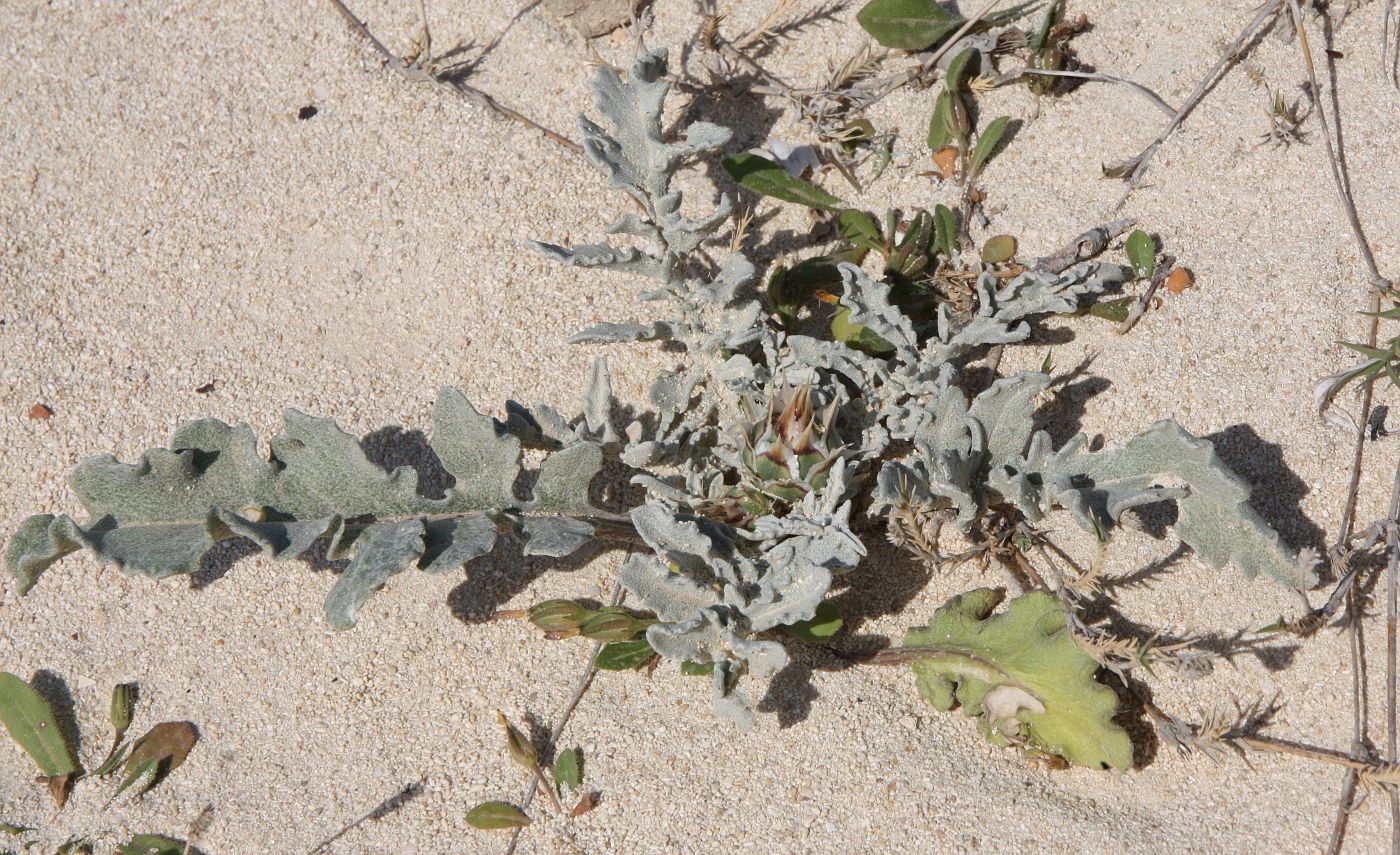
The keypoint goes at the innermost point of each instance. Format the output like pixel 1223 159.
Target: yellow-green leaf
pixel 490 816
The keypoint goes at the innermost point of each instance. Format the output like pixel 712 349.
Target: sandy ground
pixel 166 221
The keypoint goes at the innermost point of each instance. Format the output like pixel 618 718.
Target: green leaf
pixel 691 668
pixel 156 755
pixel 945 233
pixel 920 24
pixel 490 816
pixel 1370 352
pixel 1110 310
pixel 999 249
pixel 857 336
pixel 987 141
pixel 32 724
pixel 12 829
pixel 1142 253
pixel 823 625
pixel 1040 39
pixel 1021 674
pixel 767 178
pixel 568 770
pixel 152 844
pixel 940 124
pixel 962 69
pixel 860 229
pixel 625 655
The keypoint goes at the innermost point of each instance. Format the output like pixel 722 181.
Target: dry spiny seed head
pixel 789 454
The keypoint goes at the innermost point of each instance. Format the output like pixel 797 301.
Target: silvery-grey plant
pixel 754 458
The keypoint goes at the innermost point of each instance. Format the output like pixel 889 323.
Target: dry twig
pixel 418 70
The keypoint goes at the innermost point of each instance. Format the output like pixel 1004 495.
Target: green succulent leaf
pixel 767 178
pixel 1020 674
pixel 1142 253
pixel 945 234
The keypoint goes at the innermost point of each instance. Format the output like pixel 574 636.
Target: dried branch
pixel 1156 99
pixel 416 72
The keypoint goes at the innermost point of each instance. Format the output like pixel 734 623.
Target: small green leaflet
pixel 624 655
pixel 152 844
pixel 819 629
pixel 988 140
pixel 1142 253
pixel 489 816
pixel 568 770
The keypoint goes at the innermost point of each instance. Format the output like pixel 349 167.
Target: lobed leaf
pixel 1020 674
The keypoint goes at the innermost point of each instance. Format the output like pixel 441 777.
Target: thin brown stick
pixel 562 718
pixel 1231 55
pixel 1392 541
pixel 1378 285
pixel 417 74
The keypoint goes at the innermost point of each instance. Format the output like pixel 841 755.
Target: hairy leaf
pixel 490 816
pixel 1021 674
pixel 767 178
pixel 33 726
pixel 162 515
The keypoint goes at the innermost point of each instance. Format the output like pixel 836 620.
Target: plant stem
pixel 562 718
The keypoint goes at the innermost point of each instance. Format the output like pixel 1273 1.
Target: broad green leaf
pixel 1142 253
pixel 767 178
pixel 32 724
pixel 1021 674
pixel 987 141
pixel 920 24
pixel 156 755
pixel 152 844
pixel 568 770
pixel 624 655
pixel 490 816
pixel 823 625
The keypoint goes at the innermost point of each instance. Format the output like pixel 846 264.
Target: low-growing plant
pixel 756 458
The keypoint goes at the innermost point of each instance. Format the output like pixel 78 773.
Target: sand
pixel 166 221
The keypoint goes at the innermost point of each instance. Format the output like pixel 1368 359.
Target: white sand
pixel 165 221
